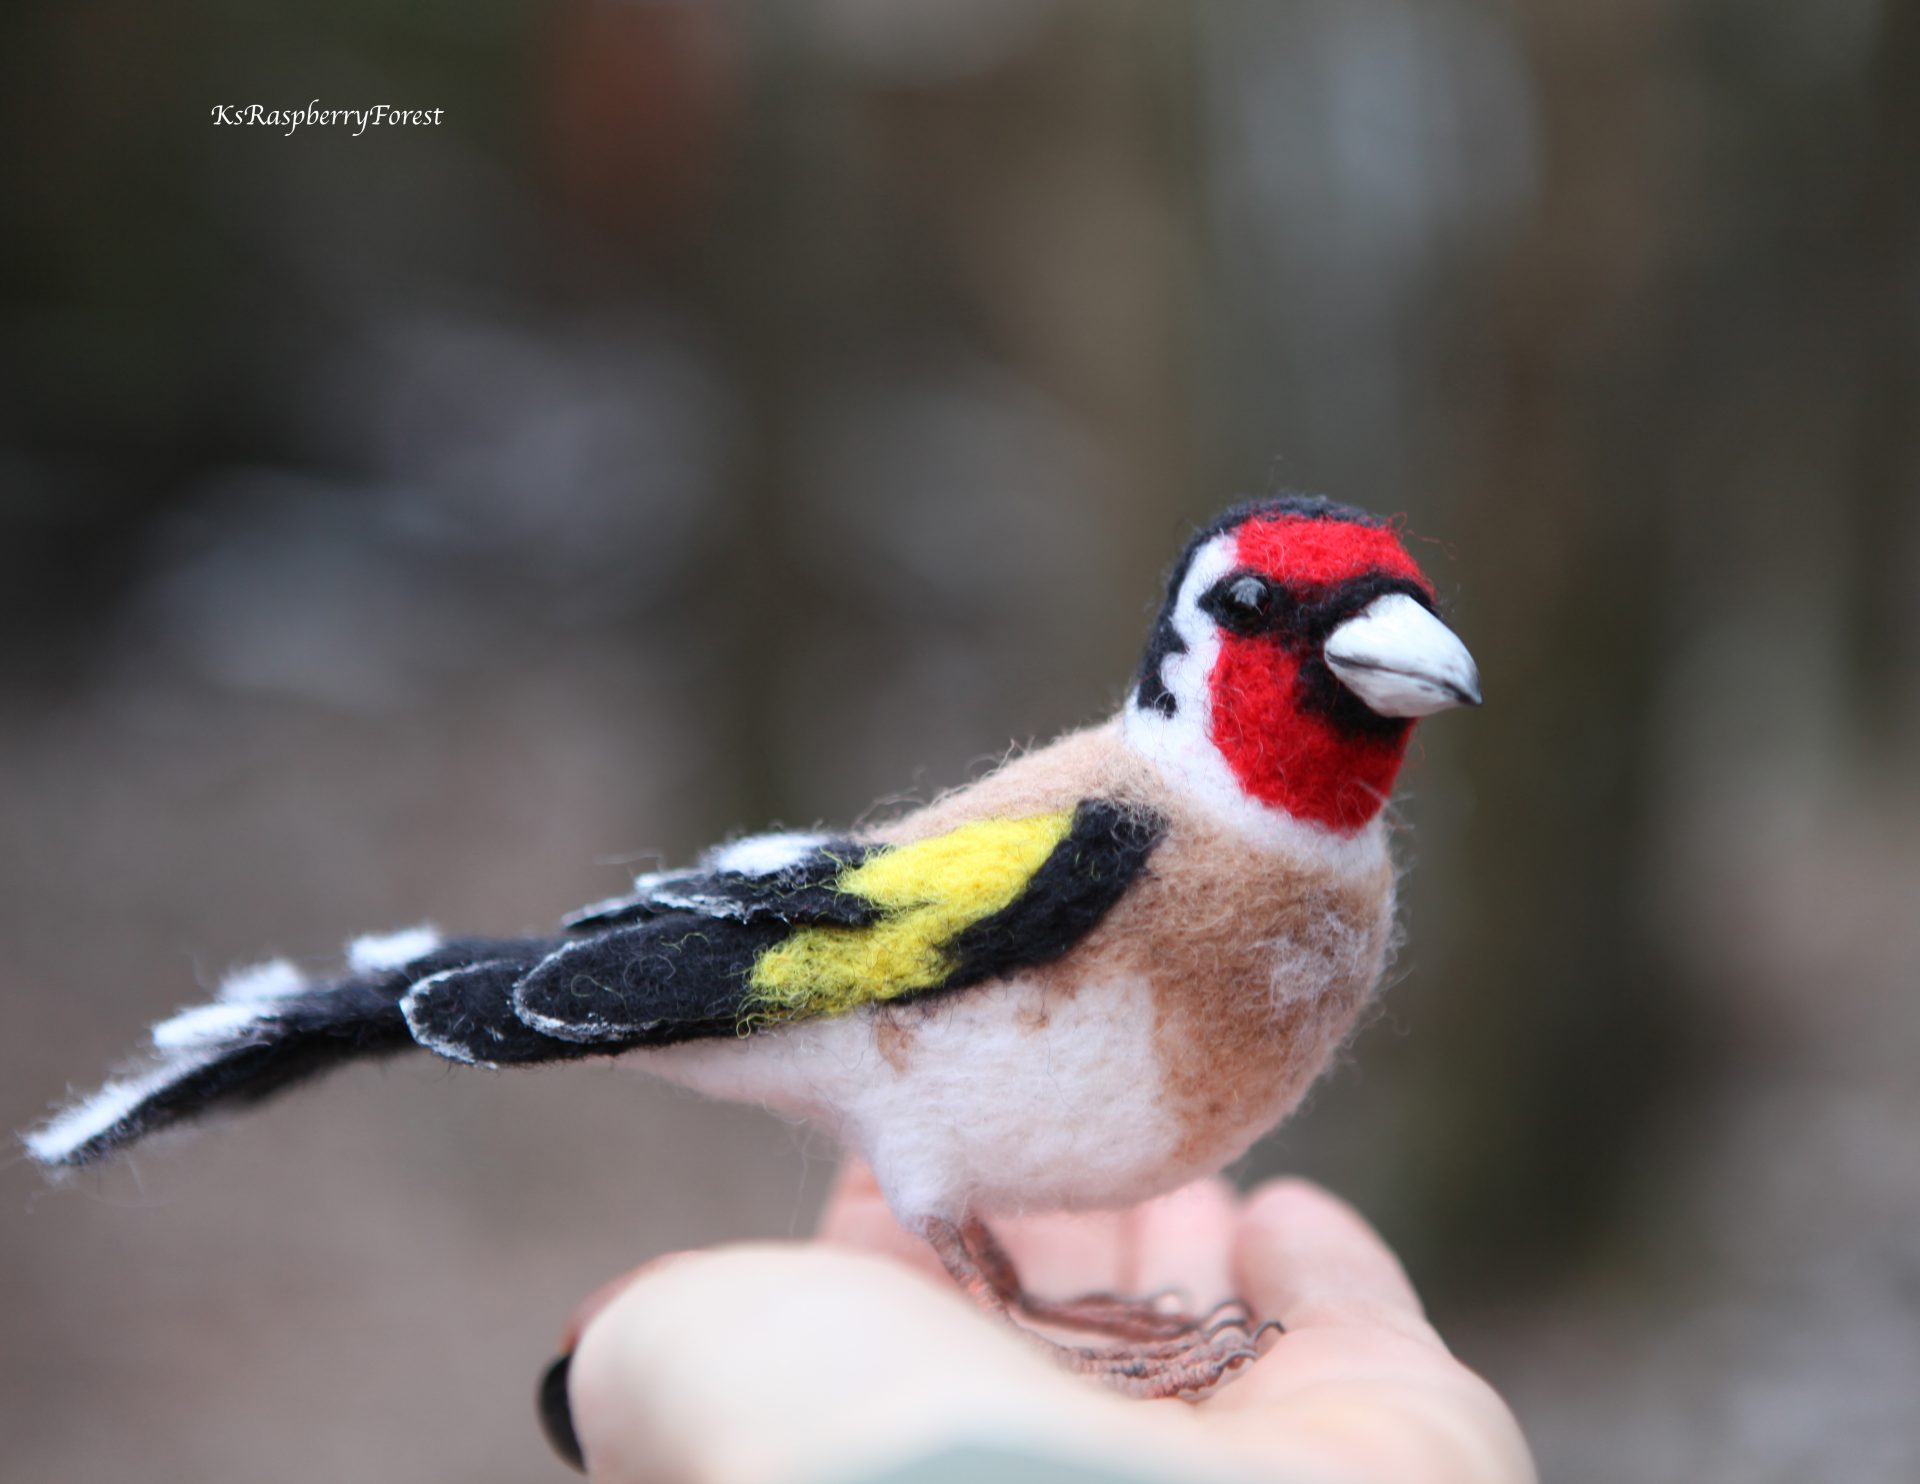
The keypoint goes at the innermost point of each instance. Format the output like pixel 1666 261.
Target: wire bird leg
pixel 1159 1352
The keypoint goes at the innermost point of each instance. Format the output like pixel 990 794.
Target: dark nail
pixel 556 1413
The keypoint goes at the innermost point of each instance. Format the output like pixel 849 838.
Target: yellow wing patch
pixel 929 891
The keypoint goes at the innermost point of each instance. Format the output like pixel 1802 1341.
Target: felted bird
pixel 1087 978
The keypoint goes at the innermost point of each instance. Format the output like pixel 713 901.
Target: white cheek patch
pixel 1181 746
pixel 1183 742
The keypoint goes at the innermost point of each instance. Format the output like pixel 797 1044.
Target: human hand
pixel 774 1363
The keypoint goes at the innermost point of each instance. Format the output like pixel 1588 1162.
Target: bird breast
pixel 1193 1018
pixel 1190 1019
pixel 1259 963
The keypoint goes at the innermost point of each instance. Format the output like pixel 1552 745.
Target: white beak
pixel 1401 660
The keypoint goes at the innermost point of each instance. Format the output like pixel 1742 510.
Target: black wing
pixel 756 936
pixel 837 927
pixel 782 878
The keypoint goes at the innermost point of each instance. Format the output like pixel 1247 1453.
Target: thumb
pixel 752 1365
pixel 1305 1257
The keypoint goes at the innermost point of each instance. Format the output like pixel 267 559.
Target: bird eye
pixel 1242 603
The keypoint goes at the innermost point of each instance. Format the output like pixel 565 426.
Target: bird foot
pixel 1193 1363
pixel 1125 1318
pixel 1161 1352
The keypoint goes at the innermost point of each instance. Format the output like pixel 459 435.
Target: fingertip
pixel 1307 1258
pixel 854 1205
pixel 854 1200
pixel 1290 1199
pixel 1184 1240
pixel 839 1355
pixel 585 1311
pixel 1208 1197
pixel 553 1404
pixel 854 1181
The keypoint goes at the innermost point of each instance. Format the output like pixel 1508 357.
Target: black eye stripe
pixel 1249 603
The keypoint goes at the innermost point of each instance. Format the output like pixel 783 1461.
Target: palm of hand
pixel 757 1365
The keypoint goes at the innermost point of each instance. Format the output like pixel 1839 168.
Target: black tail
pixel 269 1028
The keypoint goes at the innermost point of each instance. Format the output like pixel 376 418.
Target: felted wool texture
pixel 1167 637
pixel 1261 962
pixel 925 894
pixel 1184 1023
pixel 1116 1013
pixel 955 908
pixel 1106 848
pixel 654 983
pixel 843 926
pixel 1261 958
pixel 1244 709
pixel 993 1102
pixel 286 1041
pixel 269 981
pixel 375 952
pixel 1293 734
pixel 1311 766
pixel 1178 739
pixel 783 880
pixel 1081 765
pixel 1334 544
pixel 466 1015
pixel 269 1029
pixel 764 855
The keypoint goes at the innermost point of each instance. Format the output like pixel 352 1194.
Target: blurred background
pixel 736 413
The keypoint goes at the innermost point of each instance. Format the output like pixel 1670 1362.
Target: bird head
pixel 1297 646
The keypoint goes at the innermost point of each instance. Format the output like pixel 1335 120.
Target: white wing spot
pixel 274 980
pixel 209 1025
pixel 762 855
pixel 378 952
pixel 58 1140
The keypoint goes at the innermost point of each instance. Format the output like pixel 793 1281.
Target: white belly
pixel 994 1099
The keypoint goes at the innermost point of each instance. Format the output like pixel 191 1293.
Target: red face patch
pixel 1284 752
pixel 1318 553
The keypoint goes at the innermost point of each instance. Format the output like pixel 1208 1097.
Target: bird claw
pixel 1195 1359
pixel 1170 1368
pixel 1160 1353
pixel 1136 1319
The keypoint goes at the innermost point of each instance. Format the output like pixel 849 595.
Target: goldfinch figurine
pixel 1090 977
